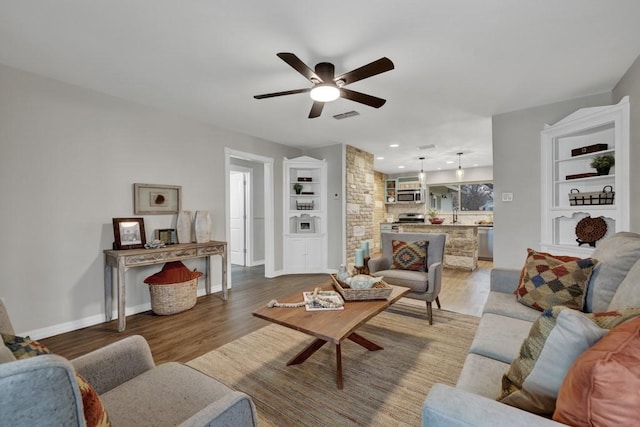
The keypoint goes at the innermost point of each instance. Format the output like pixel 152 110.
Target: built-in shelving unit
pixel 390 190
pixel 305 215
pixel 564 157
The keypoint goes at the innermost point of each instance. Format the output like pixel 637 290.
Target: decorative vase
pixel 183 227
pixel 203 226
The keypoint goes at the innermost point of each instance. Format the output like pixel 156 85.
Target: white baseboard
pixel 96 319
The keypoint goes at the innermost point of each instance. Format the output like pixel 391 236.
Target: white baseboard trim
pixel 96 319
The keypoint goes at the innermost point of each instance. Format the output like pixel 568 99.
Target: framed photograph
pixel 305 224
pixel 155 199
pixel 128 233
pixel 167 236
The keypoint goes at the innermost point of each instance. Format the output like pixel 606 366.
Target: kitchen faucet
pixel 455 215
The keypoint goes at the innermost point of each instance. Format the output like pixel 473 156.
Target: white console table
pixel 122 260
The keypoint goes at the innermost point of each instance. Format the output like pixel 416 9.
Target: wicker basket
pixel 379 290
pixel 604 197
pixel 173 298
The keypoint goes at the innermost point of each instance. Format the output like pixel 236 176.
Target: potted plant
pixel 603 163
pixel 297 187
pixel 433 217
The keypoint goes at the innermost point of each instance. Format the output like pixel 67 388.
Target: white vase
pixel 183 227
pixel 203 226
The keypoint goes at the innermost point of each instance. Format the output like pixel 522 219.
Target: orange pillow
pixel 602 387
pixel 172 272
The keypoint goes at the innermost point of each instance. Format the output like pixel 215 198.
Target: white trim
pixel 344 203
pixel 269 214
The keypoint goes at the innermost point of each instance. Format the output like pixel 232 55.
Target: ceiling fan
pixel 327 87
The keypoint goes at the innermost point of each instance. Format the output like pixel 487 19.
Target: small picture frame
pixel 305 224
pixel 156 199
pixel 167 236
pixel 128 233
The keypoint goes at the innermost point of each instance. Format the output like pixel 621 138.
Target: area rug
pixel 381 388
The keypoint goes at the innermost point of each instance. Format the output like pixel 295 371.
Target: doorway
pixel 240 192
pixel 258 210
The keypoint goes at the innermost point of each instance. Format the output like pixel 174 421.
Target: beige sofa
pixel 43 390
pixel 505 324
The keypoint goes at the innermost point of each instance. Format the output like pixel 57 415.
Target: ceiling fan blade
pixel 376 67
pixel 286 92
pixel 299 66
pixel 316 109
pixel 362 98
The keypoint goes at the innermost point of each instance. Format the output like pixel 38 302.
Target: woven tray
pixel 173 298
pixel 379 290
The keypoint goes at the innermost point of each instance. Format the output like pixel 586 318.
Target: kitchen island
pixel 461 247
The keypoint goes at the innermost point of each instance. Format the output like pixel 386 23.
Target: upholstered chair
pixel 424 285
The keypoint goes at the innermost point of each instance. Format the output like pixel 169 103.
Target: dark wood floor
pixel 214 322
pixel 184 336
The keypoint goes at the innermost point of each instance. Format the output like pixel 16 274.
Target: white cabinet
pixel 566 159
pixel 305 215
pixel 305 254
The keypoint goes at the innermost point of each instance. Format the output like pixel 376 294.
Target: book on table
pixel 311 303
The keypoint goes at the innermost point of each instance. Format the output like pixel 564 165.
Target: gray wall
pixel 516 169
pixel 335 157
pixel 630 85
pixel 68 160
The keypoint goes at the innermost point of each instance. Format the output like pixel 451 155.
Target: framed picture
pixel 155 199
pixel 167 236
pixel 128 233
pixel 305 224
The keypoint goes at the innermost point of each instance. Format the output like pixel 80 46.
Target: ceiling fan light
pixel 325 92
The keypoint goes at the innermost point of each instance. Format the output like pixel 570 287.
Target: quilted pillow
pixel 172 272
pixel 410 255
pixel 548 280
pixel 555 340
pixel 601 388
pixel 94 413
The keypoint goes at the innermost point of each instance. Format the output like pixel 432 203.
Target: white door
pixel 238 218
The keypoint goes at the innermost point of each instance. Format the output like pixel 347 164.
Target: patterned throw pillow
pixel 548 280
pixel 410 255
pixel 23 348
pixel 94 413
pixel 555 341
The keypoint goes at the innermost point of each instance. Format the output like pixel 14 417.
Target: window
pixel 466 197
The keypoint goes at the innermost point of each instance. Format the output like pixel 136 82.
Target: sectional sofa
pixel 506 323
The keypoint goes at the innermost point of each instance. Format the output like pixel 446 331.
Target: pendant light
pixel 459 171
pixel 422 177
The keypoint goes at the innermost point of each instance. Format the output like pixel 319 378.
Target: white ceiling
pixel 457 62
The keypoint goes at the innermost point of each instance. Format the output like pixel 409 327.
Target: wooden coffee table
pixel 329 326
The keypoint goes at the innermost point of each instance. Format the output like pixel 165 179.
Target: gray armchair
pixel 424 286
pixel 42 390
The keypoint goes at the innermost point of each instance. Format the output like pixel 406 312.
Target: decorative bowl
pixel 436 220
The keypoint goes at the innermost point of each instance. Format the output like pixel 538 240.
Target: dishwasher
pixel 485 243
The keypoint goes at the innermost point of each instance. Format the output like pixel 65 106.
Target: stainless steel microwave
pixel 410 196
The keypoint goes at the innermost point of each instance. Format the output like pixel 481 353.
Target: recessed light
pixel 394 145
pixel 400 167
pixel 449 162
pixel 475 164
pixel 380 158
